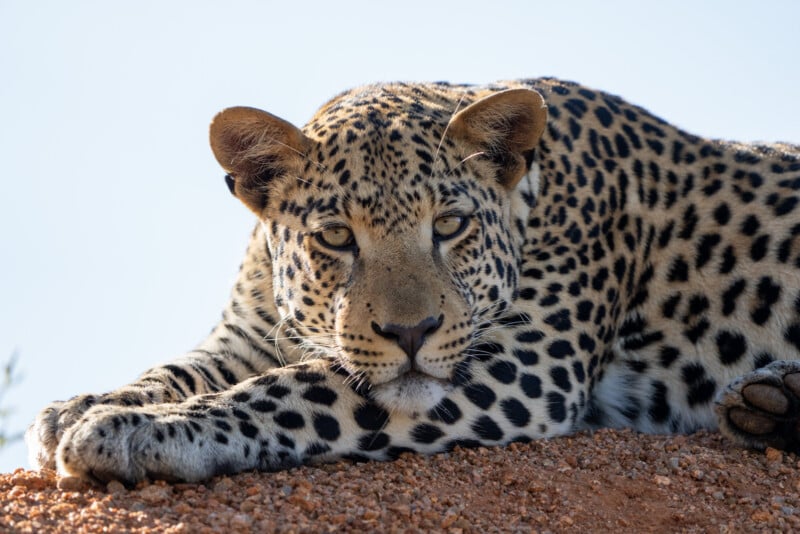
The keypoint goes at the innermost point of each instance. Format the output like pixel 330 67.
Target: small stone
pixel 116 488
pixel 760 516
pixel 155 493
pixel 71 484
pixel 370 515
pixel 240 522
pixel 774 455
pixel 662 480
pixel 448 520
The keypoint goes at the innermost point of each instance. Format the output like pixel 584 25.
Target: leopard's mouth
pixel 412 393
pixel 415 375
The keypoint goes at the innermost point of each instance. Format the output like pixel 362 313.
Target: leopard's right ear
pixel 255 147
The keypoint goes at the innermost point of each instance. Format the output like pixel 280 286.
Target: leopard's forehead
pixel 381 156
pixel 382 107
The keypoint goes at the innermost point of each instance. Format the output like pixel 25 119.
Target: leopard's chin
pixel 412 393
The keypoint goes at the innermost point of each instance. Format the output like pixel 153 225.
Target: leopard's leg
pixel 762 408
pixel 314 412
pixel 247 341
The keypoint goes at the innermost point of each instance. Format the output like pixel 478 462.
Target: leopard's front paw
pixel 162 442
pixel 118 443
pixel 43 435
pixel 762 408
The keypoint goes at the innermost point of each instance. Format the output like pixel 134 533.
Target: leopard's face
pixel 391 244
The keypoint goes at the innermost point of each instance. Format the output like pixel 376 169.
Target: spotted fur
pixel 438 265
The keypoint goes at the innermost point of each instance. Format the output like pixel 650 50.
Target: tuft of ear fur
pixel 504 127
pixel 255 147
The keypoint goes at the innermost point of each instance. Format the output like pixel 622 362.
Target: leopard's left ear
pixel 505 127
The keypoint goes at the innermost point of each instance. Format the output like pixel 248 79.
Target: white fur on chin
pixel 411 394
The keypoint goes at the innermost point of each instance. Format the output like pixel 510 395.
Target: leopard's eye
pixel 449 226
pixel 336 237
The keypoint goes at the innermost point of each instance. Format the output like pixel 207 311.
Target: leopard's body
pixel 439 265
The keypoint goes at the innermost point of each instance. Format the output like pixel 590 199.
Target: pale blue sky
pixel 119 239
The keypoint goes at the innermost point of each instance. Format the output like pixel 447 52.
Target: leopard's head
pixel 394 223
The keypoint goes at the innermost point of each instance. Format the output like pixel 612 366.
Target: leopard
pixel 440 265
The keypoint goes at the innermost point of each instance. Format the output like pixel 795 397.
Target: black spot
pixel 750 225
pixel 516 412
pixel 697 331
pixel 603 116
pixel 759 247
pixel 315 449
pixel 659 410
pixel 320 395
pixel 698 304
pixel 560 377
pixel 290 419
pixel 584 310
pixel 556 407
pixel 326 426
pixel 576 107
pixel 309 377
pixel 561 348
pixel 426 433
pixel 219 437
pixel 526 357
pixel 731 346
pixel 277 391
pixel 446 411
pixel 529 336
pixel 690 220
pixel 701 387
pixel 481 395
pixel 785 206
pixel 722 214
pixel 762 360
pixel 242 396
pixel 263 406
pixel 632 325
pixel 248 430
pixel 712 188
pixel 679 270
pixel 222 425
pixel 531 385
pixel 487 429
pixel 622 146
pixel 768 294
pixel 370 416
pixel 504 372
pixel 792 335
pixel 705 247
pixel 728 260
pixel 668 306
pixel 373 441
pixel 559 320
pixel 586 342
pixel 730 295
pixel 641 341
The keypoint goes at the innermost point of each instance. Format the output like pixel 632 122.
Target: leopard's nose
pixel 409 338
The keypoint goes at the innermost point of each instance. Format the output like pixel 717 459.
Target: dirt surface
pixel 610 480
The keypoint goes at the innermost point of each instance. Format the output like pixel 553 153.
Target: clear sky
pixel 118 238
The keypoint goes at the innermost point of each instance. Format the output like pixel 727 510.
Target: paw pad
pixel 762 408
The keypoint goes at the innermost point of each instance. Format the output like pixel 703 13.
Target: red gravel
pixel 609 480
